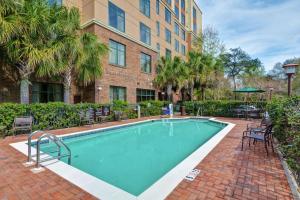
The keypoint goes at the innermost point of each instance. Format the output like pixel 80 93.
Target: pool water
pixel 132 158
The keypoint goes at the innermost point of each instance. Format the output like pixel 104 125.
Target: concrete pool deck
pixel 226 173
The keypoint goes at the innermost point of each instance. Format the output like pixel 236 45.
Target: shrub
pixel 45 116
pixel 60 115
pixel 152 108
pixel 221 108
pixel 285 114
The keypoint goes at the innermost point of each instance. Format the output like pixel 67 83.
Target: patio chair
pixel 106 110
pixel 264 136
pixel 238 112
pixel 22 124
pixel 90 115
pixel 83 118
pixel 99 115
pixel 253 127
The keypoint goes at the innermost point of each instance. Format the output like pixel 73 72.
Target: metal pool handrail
pixel 29 157
pixel 58 143
pixel 51 137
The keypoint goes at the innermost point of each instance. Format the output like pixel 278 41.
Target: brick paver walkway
pixel 226 173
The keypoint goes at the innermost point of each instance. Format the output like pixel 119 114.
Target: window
pixel 117 54
pixel 46 92
pixel 144 95
pixel 168 35
pixel 116 17
pixel 183 4
pixel 182 34
pixel 169 2
pixel 168 53
pixel 182 18
pixel 117 93
pixel 176 45
pixel 157 28
pixel 194 20
pixel 194 13
pixel 145 33
pixel 167 16
pixel 176 12
pixel 158 47
pixel 55 2
pixel 145 63
pixel 183 50
pixel 145 7
pixel 195 28
pixel 157 7
pixel 176 28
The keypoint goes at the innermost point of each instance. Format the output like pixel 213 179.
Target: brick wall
pixel 131 76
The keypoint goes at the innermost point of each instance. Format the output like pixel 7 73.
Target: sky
pixel 266 29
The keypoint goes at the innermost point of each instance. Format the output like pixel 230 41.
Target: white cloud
pixel 269 29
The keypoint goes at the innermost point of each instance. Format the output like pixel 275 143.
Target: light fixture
pixel 290 70
pixel 99 88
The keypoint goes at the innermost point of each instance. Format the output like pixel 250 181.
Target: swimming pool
pixel 133 158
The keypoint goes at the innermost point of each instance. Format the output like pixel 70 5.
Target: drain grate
pixel 192 175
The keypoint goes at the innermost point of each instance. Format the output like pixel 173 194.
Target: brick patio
pixel 226 173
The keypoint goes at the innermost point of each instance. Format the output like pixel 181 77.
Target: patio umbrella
pixel 248 90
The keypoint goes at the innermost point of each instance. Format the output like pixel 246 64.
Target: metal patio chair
pixel 22 124
pixel 264 136
pixel 264 123
pixel 99 115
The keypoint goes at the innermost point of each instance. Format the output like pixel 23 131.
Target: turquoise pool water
pixel 133 158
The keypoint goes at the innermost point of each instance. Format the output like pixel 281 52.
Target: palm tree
pixel 82 53
pixel 9 19
pixel 27 36
pixel 209 64
pixel 194 67
pixel 169 74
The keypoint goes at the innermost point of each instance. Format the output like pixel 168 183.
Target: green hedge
pixel 217 108
pixel 59 115
pixel 46 116
pixel 285 114
pixel 152 108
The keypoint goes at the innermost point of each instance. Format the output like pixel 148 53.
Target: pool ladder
pixel 198 111
pixel 51 137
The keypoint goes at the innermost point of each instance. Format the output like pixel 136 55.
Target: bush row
pixel 218 108
pixel 285 114
pixel 46 116
pixel 60 115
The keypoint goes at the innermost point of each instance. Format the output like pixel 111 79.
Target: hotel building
pixel 137 33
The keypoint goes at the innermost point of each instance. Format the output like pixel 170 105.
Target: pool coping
pixel 159 190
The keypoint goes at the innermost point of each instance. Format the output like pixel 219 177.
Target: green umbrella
pixel 249 90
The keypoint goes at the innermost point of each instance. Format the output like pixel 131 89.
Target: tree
pixel 169 74
pixel 81 55
pixel 194 69
pixel 209 67
pixel 47 40
pixel 27 36
pixel 209 42
pixel 237 62
pixel 277 73
pixel 211 47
